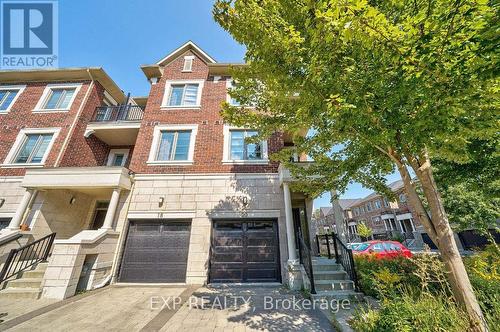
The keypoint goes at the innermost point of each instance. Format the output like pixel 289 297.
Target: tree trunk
pixel 440 231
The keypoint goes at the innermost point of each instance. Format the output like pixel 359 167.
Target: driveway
pixel 181 308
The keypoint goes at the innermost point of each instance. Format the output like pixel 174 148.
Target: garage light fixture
pixel 72 200
pixel 2 201
pixel 161 200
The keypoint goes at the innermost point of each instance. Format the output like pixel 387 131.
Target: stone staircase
pixel 27 286
pixel 332 282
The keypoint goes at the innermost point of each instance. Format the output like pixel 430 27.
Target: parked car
pixel 382 249
pixel 354 245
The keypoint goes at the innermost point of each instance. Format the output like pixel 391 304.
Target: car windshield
pixel 353 246
pixel 361 247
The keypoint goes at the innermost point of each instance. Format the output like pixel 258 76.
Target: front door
pixel 244 251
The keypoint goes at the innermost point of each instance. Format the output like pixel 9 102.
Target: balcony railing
pixel 118 113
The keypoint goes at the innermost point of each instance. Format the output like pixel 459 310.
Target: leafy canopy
pixel 412 76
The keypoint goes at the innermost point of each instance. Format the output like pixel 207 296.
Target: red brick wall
pixel 209 139
pixel 79 152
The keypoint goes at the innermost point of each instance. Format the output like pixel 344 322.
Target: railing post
pixel 328 246
pixel 6 266
pixel 334 236
pixel 318 245
pixel 353 267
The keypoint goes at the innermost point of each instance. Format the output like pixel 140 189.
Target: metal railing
pixel 118 113
pixel 343 255
pixel 305 257
pixel 24 257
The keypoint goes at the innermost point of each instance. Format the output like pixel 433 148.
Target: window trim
pixel 9 160
pixel 113 152
pixel 229 86
pixel 19 88
pixel 186 58
pixel 156 143
pixel 227 148
pixel 46 93
pixel 168 88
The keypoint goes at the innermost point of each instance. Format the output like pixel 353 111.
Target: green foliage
pixel 364 231
pixel 409 312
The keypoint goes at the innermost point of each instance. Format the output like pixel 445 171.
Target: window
pixel 182 94
pixel 57 97
pixel 8 95
pixel 4 222
pixel 356 211
pixel 31 147
pixel 377 203
pixel 237 149
pixel 117 157
pixel 188 63
pixel 386 202
pixel 369 206
pixel 231 101
pixel 173 144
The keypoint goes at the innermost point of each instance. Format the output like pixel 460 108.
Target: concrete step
pixel 41 266
pixel 325 265
pixel 333 285
pixel 25 283
pixel 20 293
pixel 33 274
pixel 330 275
pixel 339 295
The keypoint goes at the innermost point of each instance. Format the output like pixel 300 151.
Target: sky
pixel 120 36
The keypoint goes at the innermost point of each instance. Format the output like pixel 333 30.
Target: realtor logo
pixel 29 34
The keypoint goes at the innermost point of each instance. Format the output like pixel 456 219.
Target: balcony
pixel 285 174
pixel 116 125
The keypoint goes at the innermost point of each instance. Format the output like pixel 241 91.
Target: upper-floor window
pixel 188 63
pixel 231 101
pixel 117 157
pixel 58 97
pixel 182 94
pixel 369 206
pixel 386 202
pixel 237 148
pixel 8 95
pixel 356 211
pixel 173 144
pixel 31 147
pixel 378 204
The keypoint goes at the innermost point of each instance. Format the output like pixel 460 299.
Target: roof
pixel 155 70
pixel 347 203
pixel 65 74
pixel 393 186
pixel 325 210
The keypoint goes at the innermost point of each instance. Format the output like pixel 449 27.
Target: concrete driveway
pixel 193 308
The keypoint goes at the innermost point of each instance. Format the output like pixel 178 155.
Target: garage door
pixel 156 251
pixel 244 251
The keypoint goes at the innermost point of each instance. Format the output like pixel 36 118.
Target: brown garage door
pixel 156 251
pixel 244 251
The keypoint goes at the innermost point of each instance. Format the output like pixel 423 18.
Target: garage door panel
pixel 156 251
pixel 244 251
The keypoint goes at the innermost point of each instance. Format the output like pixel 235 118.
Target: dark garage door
pixel 244 251
pixel 156 251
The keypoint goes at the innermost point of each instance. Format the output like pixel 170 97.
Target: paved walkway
pixel 136 308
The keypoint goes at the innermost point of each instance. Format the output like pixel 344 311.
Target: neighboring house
pixel 154 189
pixel 384 218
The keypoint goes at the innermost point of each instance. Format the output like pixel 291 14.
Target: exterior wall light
pixel 2 201
pixel 244 200
pixel 161 200
pixel 72 200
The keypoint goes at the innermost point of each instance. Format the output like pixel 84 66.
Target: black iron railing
pixel 305 257
pixel 118 113
pixel 331 246
pixel 24 257
pixel 343 256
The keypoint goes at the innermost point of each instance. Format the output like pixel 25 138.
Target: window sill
pixel 246 162
pixel 50 111
pixel 186 107
pixel 21 165
pixel 170 163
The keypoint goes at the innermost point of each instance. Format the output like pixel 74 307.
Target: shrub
pixel 412 313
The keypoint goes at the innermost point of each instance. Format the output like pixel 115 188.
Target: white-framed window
pixel 57 97
pixel 402 198
pixel 9 95
pixel 31 148
pixel 376 220
pixel 356 211
pixel 173 144
pixel 182 94
pixel 230 84
pixel 117 157
pixel 369 206
pixel 377 204
pixel 188 63
pixel 386 202
pixel 238 151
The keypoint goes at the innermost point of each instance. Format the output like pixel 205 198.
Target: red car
pixel 382 249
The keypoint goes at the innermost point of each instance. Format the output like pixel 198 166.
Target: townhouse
pixel 154 189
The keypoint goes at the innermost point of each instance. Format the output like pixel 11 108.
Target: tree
pixel 364 231
pixel 381 85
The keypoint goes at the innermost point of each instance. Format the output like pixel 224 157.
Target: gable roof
pixel 189 45
pixel 347 203
pixel 325 210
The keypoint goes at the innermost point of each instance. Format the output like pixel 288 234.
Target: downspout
pixel 77 116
